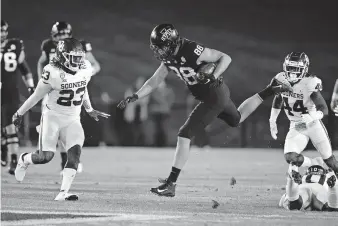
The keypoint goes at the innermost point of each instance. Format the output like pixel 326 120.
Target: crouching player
pixel 316 190
pixel 65 81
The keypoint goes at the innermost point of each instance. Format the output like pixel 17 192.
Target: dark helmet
pixel 163 41
pixel 315 170
pixel 61 30
pixel 296 66
pixel 4 30
pixel 70 53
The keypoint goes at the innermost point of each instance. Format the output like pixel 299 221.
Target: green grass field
pixel 114 190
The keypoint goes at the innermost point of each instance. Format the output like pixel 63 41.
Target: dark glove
pixel 17 119
pixel 31 90
pixel 95 114
pixel 128 100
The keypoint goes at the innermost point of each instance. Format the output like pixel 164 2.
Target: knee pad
pixel 232 120
pixel 43 157
pixel 73 157
pixel 332 163
pixel 297 204
pixel 294 158
pixel 235 121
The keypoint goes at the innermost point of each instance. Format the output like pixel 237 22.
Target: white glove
pixel 273 129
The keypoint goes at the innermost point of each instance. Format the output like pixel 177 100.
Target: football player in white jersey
pixel 305 107
pixel 317 190
pixel 334 100
pixel 65 81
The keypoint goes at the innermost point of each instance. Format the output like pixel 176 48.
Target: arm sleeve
pixel 41 90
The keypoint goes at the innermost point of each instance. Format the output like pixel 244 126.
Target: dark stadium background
pixel 256 34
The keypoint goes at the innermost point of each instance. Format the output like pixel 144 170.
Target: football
pixel 207 68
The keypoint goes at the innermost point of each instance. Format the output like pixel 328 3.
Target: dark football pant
pixel 215 103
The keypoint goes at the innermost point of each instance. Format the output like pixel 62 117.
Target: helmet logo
pixel 166 33
pixel 61 46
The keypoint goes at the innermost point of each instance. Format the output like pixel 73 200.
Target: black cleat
pixel 297 177
pixel 167 188
pixel 4 157
pixel 331 181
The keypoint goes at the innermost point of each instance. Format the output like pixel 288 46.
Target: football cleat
pixel 21 168
pixel 4 157
pixel 64 196
pixel 296 177
pixel 331 179
pixel 167 188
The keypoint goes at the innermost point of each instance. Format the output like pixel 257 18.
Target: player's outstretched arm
pixel 275 110
pixel 214 56
pixel 95 64
pixel 334 100
pixel 89 109
pixel 42 62
pixel 26 72
pixel 151 84
pixel 41 90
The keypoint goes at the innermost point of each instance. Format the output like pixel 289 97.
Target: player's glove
pixel 273 129
pixel 17 119
pixel 95 114
pixel 31 90
pixel 205 73
pixel 128 100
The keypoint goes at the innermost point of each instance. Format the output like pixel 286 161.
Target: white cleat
pixel 21 168
pixel 80 168
pixel 63 196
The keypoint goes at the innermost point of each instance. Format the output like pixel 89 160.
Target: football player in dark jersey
pixel 13 63
pixel 60 31
pixel 334 100
pixel 201 69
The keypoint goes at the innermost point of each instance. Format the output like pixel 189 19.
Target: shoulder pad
pixel 192 48
pixel 314 84
pixel 17 42
pixel 49 72
pixel 45 43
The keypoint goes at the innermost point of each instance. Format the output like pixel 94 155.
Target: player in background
pixel 65 81
pixel 201 69
pixel 304 107
pixel 13 64
pixel 334 100
pixel 317 190
pixel 60 31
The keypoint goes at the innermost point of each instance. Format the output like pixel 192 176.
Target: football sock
pixel 68 176
pixel 27 158
pixel 63 159
pixel 175 172
pixel 14 158
pixel 182 152
pixel 249 106
pixel 333 194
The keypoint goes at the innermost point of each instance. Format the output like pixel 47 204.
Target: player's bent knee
pixel 73 157
pixel 332 163
pixel 10 129
pixel 294 158
pixel 297 204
